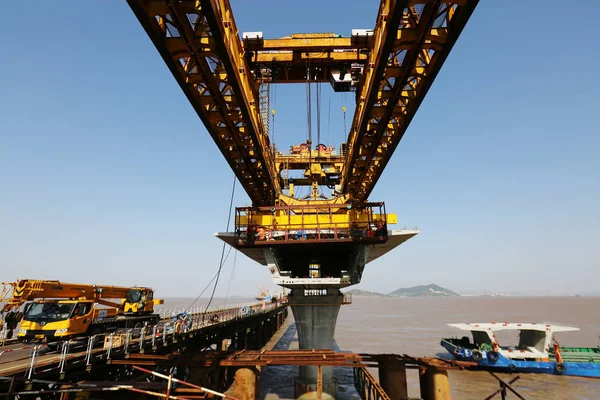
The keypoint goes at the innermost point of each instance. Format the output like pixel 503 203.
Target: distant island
pixel 365 293
pixel 432 290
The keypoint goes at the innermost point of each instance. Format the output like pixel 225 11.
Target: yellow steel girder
pixel 199 42
pixel 291 55
pixel 406 37
pixel 396 80
pixel 312 221
pixel 313 215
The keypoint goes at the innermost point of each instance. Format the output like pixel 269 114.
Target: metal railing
pixel 134 340
pixel 367 386
pixel 309 223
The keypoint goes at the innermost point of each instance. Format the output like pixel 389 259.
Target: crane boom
pixel 15 294
pixel 57 310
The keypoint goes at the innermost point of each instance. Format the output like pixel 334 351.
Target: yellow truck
pixel 57 311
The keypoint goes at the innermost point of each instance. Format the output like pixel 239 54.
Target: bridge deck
pixel 18 359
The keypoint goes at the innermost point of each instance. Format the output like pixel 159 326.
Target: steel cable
pixel 223 256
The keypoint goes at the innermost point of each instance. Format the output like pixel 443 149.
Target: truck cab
pixel 139 301
pixel 57 319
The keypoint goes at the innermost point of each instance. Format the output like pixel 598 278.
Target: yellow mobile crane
pixel 57 310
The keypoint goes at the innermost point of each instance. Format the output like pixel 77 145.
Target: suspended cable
pixel 223 259
pixel 232 276
pixel 329 119
pixel 308 102
pixel 318 112
pixel 273 102
pixel 202 292
pixel 211 281
pixel 273 130
pixel 345 131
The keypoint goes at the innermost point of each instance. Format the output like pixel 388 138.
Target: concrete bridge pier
pixel 315 312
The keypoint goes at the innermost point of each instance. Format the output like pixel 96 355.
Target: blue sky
pixel 108 176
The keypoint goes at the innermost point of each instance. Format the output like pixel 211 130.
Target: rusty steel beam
pixel 199 42
pixel 397 81
pixel 253 358
pixel 244 364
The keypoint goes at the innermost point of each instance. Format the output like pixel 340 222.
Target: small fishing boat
pixel 537 350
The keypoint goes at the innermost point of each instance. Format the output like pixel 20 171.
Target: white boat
pixel 537 350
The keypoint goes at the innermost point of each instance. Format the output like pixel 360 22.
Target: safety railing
pixel 367 386
pixel 3 335
pixel 85 350
pixel 256 226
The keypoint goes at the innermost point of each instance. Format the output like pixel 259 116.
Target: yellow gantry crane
pixel 390 68
pixel 57 310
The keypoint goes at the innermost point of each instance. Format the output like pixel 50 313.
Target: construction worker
pixel 251 234
pixel 381 231
pixel 262 233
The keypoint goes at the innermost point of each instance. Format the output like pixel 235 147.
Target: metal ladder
pixel 265 104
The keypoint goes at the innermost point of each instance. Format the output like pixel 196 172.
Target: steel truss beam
pixel 289 57
pixel 396 80
pixel 199 42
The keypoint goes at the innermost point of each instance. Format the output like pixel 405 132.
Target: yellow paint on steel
pixel 323 57
pixel 399 76
pixel 313 35
pixel 292 201
pixel 308 220
pixel 307 44
pixel 201 44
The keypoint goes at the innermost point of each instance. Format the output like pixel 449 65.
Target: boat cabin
pixel 535 340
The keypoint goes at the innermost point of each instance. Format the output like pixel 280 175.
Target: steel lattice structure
pixel 221 74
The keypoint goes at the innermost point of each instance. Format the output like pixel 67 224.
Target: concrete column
pixel 434 384
pixel 393 381
pixel 315 318
pixel 244 385
pixel 441 385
